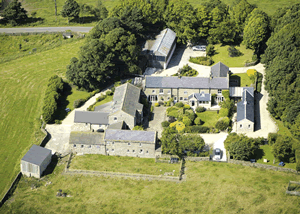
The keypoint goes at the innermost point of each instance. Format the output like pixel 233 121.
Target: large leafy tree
pixel 100 11
pixel 70 9
pixel 14 11
pixel 240 12
pixel 283 148
pixel 257 30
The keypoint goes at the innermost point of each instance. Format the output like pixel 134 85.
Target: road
pixel 44 29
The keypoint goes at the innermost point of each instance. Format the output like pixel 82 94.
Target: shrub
pixel 259 82
pixel 272 138
pixel 179 126
pixel 109 93
pixel 196 129
pixel 57 121
pixel 100 98
pixel 156 104
pixel 151 109
pixel 168 103
pixel 251 72
pixel 224 112
pixel 283 148
pixel 186 106
pixel 202 60
pixel 200 109
pixel 210 50
pixel 179 105
pixel 233 52
pixel 129 81
pixel 223 123
pixel 186 121
pixel 78 103
pixel 165 124
pixel 190 115
pixel 226 94
pixel 198 121
pixel 186 71
pixel 138 128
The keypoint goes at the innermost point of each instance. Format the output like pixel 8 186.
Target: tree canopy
pixel 14 11
pixel 240 12
pixel 70 9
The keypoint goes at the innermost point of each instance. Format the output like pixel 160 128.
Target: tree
pixel 138 128
pixel 283 148
pixel 224 32
pixel 240 12
pixel 14 12
pixel 198 121
pixel 223 123
pixel 241 150
pixel 70 9
pixel 210 50
pixel 99 11
pixel 256 30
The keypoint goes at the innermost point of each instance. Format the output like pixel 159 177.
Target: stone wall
pixel 197 158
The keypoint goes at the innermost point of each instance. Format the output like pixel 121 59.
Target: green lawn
pixel 210 118
pixel 266 151
pixel 106 100
pixel 243 78
pixel 222 56
pixel 123 164
pixel 210 188
pixel 22 84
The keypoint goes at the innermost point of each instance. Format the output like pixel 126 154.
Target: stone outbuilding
pixel 35 161
pixel 159 51
pixel 245 112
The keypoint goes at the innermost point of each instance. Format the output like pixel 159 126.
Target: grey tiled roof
pixel 36 155
pixel 186 82
pixel 245 108
pixel 130 135
pixel 219 70
pixel 92 117
pixel 126 98
pixel 238 91
pixel 118 125
pixel 202 96
pixel 86 138
pixel 163 42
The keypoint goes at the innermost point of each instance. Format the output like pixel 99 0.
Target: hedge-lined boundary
pixel 52 95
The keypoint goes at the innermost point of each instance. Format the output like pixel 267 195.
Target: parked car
pixel 217 154
pixel 199 48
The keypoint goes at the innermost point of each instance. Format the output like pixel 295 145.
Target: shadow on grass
pixel 257 117
pixel 50 168
pixel 22 22
pixel 84 19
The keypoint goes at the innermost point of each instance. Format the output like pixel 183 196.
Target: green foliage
pixel 151 109
pixel 224 32
pixel 283 148
pixel 200 109
pixel 109 93
pixel 198 121
pixel 196 129
pixel 78 103
pixel 226 94
pixel 70 9
pixel 179 104
pixel 240 13
pixel 99 11
pixel 224 112
pixel 186 106
pixel 256 30
pixel 138 128
pixel 202 60
pixel 187 71
pixel 165 124
pixel 14 12
pixel 156 104
pixel 272 138
pixel 259 82
pixel 210 50
pixel 233 52
pixel 52 95
pixel 223 123
pixel 101 97
pixel 186 121
pixel 228 104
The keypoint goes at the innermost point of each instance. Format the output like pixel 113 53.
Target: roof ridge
pixel 125 95
pixel 166 30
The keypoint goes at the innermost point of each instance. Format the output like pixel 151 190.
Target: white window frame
pixel 113 150
pixel 249 126
pixel 161 91
pixel 219 91
pixel 115 118
pixel 175 98
pixel 141 151
pixel 153 91
pixel 128 144
pixel 133 151
pixel 169 91
pixel 140 144
pixel 82 146
pixel 185 99
pixel 74 145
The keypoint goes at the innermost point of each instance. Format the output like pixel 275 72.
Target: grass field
pixel 210 188
pixel 222 56
pixel 22 85
pixel 243 78
pixel 10 45
pixel 123 164
pixel 210 118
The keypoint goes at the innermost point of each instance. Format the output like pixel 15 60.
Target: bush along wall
pixel 52 94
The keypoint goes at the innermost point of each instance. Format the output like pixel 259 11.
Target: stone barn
pixel 35 161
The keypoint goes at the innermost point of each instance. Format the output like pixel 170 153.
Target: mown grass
pixel 210 118
pixel 210 188
pixel 243 78
pixel 222 56
pixel 123 164
pixel 22 85
pixel 106 100
pixel 30 44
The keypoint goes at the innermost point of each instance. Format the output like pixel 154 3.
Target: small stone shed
pixel 35 161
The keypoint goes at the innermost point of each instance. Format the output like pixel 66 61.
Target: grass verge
pixel 210 188
pixel 23 83
pixel 123 164
pixel 242 78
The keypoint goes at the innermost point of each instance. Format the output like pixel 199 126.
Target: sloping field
pixel 209 188
pixel 22 85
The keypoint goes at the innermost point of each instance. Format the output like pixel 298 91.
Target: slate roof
pixel 92 117
pixel 238 91
pixel 130 135
pixel 245 108
pixel 118 125
pixel 36 155
pixel 219 70
pixel 86 138
pixel 186 82
pixel 200 96
pixel 126 98
pixel 163 42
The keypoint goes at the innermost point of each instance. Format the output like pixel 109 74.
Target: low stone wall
pixel 262 166
pixel 197 158
pixel 11 189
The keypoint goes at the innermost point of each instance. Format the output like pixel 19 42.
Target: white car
pixel 217 154
pixel 199 48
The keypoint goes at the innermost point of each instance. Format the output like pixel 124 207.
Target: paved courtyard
pixel 158 117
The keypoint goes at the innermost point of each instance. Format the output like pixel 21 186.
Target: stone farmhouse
pixel 115 142
pixel 159 51
pixel 125 109
pixel 195 91
pixel 35 161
